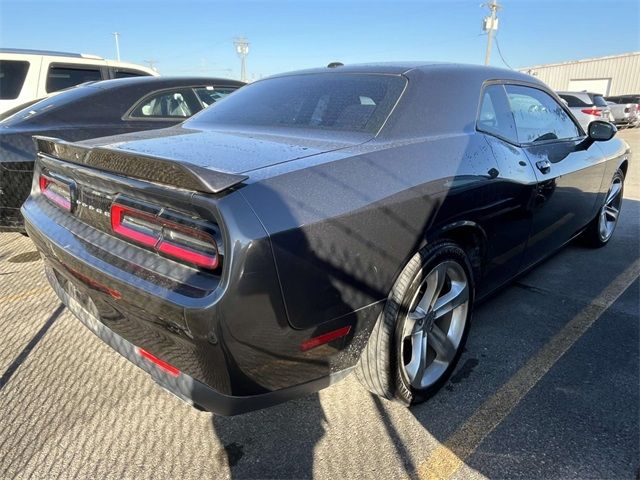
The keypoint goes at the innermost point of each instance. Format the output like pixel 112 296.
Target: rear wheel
pixel 602 227
pixel 418 338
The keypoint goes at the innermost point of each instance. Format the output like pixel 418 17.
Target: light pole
pixel 117 37
pixel 242 49
pixel 490 25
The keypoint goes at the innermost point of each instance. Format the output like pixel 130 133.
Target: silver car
pixel 587 107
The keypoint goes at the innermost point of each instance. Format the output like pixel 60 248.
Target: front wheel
pixel 420 335
pixel 601 229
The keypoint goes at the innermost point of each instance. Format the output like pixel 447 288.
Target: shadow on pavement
pixel 579 418
pixel 22 356
pixel 278 442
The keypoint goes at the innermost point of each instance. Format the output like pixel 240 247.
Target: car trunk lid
pixel 230 152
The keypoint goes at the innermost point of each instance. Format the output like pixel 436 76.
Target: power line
pixel 500 53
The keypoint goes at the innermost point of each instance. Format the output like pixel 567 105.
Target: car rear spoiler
pixel 154 169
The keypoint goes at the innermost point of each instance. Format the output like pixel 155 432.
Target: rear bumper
pixel 630 120
pixel 183 386
pixel 234 349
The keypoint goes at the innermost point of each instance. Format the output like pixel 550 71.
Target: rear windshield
pixel 599 101
pixel 32 110
pixel 345 102
pixel 14 110
pixel 573 101
pixel 12 75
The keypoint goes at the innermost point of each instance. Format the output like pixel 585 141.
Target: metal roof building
pixel 611 75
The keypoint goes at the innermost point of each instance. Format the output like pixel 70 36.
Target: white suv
pixel 28 75
pixel 587 107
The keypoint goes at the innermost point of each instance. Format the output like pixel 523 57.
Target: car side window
pixel 538 116
pixel 61 76
pixel 495 115
pixel 209 95
pixel 165 104
pixel 12 76
pixel 124 73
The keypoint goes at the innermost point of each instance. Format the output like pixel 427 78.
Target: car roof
pixel 579 93
pixel 52 53
pixel 163 82
pixel 404 68
pixel 393 68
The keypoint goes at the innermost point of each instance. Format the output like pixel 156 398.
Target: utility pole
pixel 242 49
pixel 490 25
pixel 117 36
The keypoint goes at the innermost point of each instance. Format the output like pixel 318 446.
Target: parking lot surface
pixel 548 387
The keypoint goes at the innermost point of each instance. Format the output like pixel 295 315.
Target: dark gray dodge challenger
pixel 319 222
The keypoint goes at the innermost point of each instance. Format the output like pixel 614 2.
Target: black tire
pixel 593 236
pixel 380 369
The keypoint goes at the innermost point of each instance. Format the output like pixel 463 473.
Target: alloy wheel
pixel 610 211
pixel 434 326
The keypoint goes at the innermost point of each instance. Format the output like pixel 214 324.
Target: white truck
pixel 29 75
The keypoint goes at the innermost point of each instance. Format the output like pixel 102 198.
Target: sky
pixel 186 37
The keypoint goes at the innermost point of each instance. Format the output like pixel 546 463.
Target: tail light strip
pixel 117 224
pixel 186 243
pixel 167 233
pixel 592 111
pixel 189 256
pixel 57 191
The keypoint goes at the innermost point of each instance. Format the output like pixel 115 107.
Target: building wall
pixel 622 71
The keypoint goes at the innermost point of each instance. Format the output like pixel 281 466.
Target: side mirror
pixel 601 131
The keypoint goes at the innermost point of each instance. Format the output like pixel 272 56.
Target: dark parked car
pixel 630 98
pixel 94 109
pixel 317 222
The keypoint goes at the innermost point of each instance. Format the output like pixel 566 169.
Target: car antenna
pixel 335 65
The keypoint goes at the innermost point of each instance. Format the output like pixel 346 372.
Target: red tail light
pixel 171 239
pixel 141 227
pixel 57 191
pixel 592 111
pixel 189 245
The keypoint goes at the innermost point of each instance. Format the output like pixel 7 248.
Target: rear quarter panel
pixel 342 230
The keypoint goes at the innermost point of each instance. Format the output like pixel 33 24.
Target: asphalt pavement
pixel 548 387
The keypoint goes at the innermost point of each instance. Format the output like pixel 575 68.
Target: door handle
pixel 544 166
